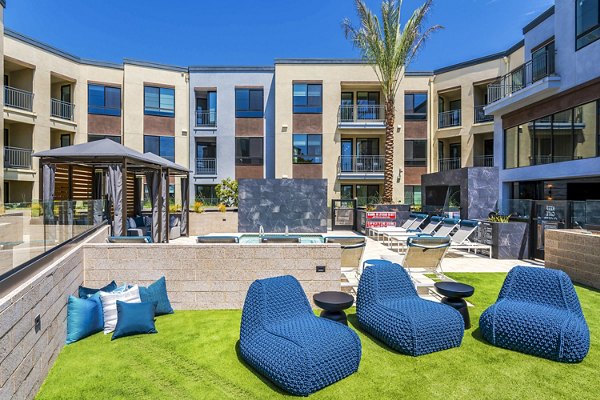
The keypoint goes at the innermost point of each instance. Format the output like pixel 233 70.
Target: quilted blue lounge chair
pixel 389 308
pixel 538 313
pixel 281 338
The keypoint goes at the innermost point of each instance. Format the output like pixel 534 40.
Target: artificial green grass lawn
pixel 194 357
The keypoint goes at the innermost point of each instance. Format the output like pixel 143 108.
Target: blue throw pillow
pixel 82 318
pixel 134 318
pixel 157 292
pixel 96 297
pixel 85 292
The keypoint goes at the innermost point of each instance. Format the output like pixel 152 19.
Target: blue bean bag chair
pixel 281 338
pixel 538 313
pixel 389 308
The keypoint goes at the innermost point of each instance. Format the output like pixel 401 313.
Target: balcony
pixel 361 116
pixel 448 119
pixel 483 161
pixel 368 167
pixel 206 119
pixel 18 98
pixel 528 83
pixel 446 164
pixel 206 166
pixel 480 115
pixel 62 109
pixel 15 157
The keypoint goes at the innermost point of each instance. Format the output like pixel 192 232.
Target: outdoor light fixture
pixel 284 128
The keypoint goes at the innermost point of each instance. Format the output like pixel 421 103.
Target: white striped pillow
pixel 109 305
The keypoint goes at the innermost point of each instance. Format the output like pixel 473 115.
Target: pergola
pixel 117 162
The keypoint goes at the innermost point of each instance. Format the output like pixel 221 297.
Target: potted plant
pixel 509 239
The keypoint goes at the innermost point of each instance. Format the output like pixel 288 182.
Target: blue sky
pixel 254 32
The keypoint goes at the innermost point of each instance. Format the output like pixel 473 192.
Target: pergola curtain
pixel 185 205
pixel 165 204
pixel 114 190
pixel 48 182
pixel 153 182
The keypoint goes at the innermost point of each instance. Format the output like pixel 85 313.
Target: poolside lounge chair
pixel 413 222
pixel 217 239
pixel 460 239
pixel 389 308
pixel 353 248
pixel 282 339
pixel 401 237
pixel 129 239
pixel 538 313
pixel 425 254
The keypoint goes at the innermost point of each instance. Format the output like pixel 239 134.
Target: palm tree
pixel 389 48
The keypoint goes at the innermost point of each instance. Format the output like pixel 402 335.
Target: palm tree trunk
pixel 388 174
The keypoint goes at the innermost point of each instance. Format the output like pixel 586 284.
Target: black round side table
pixel 333 305
pixel 454 293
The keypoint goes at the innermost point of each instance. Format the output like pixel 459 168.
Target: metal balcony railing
pixel 363 164
pixel 480 115
pixel 539 67
pixel 62 109
pixel 249 161
pixel 18 98
pixel 206 166
pixel 446 164
pixel 16 157
pixel 361 113
pixel 450 118
pixel 483 161
pixel 206 118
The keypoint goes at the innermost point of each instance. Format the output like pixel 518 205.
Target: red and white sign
pixel 379 224
pixel 381 215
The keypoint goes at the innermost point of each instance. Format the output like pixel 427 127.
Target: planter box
pixel 213 222
pixel 508 240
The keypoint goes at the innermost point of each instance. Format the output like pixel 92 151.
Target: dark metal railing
pixel 480 115
pixel 483 161
pixel 361 113
pixel 62 109
pixel 539 67
pixel 16 157
pixel 446 164
pixel 450 118
pixel 18 98
pixel 206 166
pixel 206 118
pixel 365 164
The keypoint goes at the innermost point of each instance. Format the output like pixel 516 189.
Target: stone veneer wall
pixel 212 276
pixel 26 355
pixel 300 204
pixel 575 253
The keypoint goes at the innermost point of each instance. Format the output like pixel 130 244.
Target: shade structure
pixel 116 162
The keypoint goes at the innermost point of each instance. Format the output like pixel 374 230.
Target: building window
pixel 412 195
pixel 587 22
pixel 307 149
pixel 93 138
pixel 415 106
pixel 346 192
pixel 308 98
pixel 163 146
pixel 65 140
pixel 367 194
pixel 207 195
pixel 206 108
pixel 249 151
pixel 249 103
pixel 566 135
pixel 104 100
pixel 159 101
pixel 415 153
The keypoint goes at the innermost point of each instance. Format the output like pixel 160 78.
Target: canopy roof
pixel 106 151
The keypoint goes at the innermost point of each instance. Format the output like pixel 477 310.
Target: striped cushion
pixel 109 305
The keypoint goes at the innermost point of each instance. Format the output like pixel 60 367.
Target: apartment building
pixel 232 125
pixel 55 99
pixel 330 124
pixel 546 121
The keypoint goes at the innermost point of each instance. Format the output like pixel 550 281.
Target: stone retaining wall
pixel 575 253
pixel 213 222
pixel 26 354
pixel 212 276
